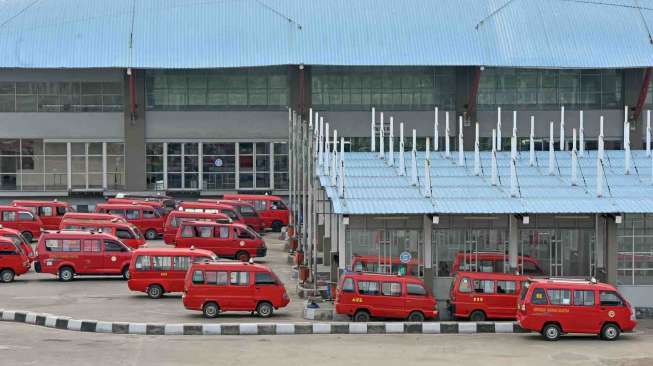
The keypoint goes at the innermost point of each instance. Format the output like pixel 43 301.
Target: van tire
pixel 211 310
pixel 416 317
pixel 125 273
pixel 276 226
pixel 264 309
pixel 610 332
pixel 242 256
pixel 66 274
pixel 551 332
pixel 477 316
pixel 7 275
pixel 150 234
pixel 28 236
pixel 362 316
pixel 155 291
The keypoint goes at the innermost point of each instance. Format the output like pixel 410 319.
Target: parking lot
pixel 108 298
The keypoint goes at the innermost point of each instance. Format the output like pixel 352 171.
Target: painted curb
pixel 95 326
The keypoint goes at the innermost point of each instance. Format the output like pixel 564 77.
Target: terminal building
pixel 192 98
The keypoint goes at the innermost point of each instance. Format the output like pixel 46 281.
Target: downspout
pixel 473 93
pixel 643 92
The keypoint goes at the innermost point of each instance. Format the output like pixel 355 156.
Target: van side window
pixel 61 211
pixel 223 232
pixel 118 212
pixel 415 289
pixel 69 245
pixel 91 246
pixel 583 297
pixel 529 268
pixel 181 263
pixel 559 296
pixel 216 278
pixel 25 216
pixel 142 263
pixel 539 297
pixel 187 231
pixel 239 278
pixel 506 287
pixel 45 211
pixel 8 250
pixel 149 214
pixel 133 214
pixel 279 205
pixel 52 245
pixel 348 285
pixel 161 263
pixel 8 216
pixel 204 231
pixel 112 246
pixel 123 234
pixel 610 298
pixel 464 285
pixel 264 278
pixel 484 286
pixel 391 289
pixel 247 211
pixel 368 288
pixel 198 277
pixel 244 234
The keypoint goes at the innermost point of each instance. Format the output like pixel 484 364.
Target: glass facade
pixel 216 165
pixel 225 89
pixel 401 88
pixel 549 89
pixel 635 250
pixel 61 96
pixel 38 165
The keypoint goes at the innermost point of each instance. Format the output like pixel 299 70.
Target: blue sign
pixel 405 257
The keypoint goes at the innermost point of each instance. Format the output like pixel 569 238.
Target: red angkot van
pixel 385 265
pixel 554 307
pixel 69 253
pixel 91 216
pixel 13 260
pixel 246 210
pixel 226 240
pixel 366 295
pixel 478 296
pixel 175 218
pixel 50 212
pixel 494 262
pixel 21 219
pixel 216 287
pixel 146 218
pixel 126 232
pixel 168 203
pixel 272 209
pixel 157 271
pixel 210 207
pixel 18 240
pixel 157 205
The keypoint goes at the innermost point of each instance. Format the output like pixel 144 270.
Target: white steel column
pixel 165 166
pixel 436 137
pixel 342 251
pixel 69 159
pixel 498 128
pixel 104 166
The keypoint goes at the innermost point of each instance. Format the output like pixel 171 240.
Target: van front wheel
pixel 551 332
pixel 7 276
pixel 150 234
pixel 242 256
pixel 264 309
pixel 211 310
pixel 66 274
pixel 610 332
pixel 416 317
pixel 477 316
pixel 362 316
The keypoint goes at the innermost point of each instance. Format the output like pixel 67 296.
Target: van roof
pixel 4 229
pixel 383 277
pixel 490 275
pixel 123 205
pixel 202 204
pixel 78 233
pixel 116 223
pixel 213 223
pixel 39 203
pixel 571 283
pixel 5 240
pixel 231 265
pixel 262 197
pixel 212 215
pixel 173 251
pixel 14 208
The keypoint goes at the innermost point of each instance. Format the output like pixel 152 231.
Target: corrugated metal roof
pixel 233 33
pixel 374 187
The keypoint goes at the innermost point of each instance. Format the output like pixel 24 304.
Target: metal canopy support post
pixel 342 259
pixel 427 223
pixel 513 242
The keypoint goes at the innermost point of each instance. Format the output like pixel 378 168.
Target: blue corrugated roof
pixel 374 187
pixel 232 33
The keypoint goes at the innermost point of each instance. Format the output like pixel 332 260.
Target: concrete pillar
pixel 611 250
pixel 600 246
pixel 428 252
pixel 342 252
pixel 134 131
pixel 632 87
pixel 513 242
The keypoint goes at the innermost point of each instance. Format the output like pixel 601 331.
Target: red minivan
pixel 216 287
pixel 91 216
pixel 168 202
pixel 385 265
pixel 478 296
pixel 157 205
pixel 157 271
pixel 21 219
pixel 18 240
pixel 210 207
pixel 13 260
pixel 126 232
pixel 494 262
pixel 69 253
pixel 148 220
pixel 246 210
pixel 226 240
pixel 273 210
pixel 50 212
pixel 554 307
pixel 366 295
pixel 175 218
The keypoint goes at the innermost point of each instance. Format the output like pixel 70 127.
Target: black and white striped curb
pixel 66 323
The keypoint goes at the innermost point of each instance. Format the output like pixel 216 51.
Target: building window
pixel 549 89
pixel 281 178
pixel 37 165
pixel 361 88
pixel 635 250
pixel 61 96
pixel 219 166
pixel 229 89
pixel 183 165
pixel 154 166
